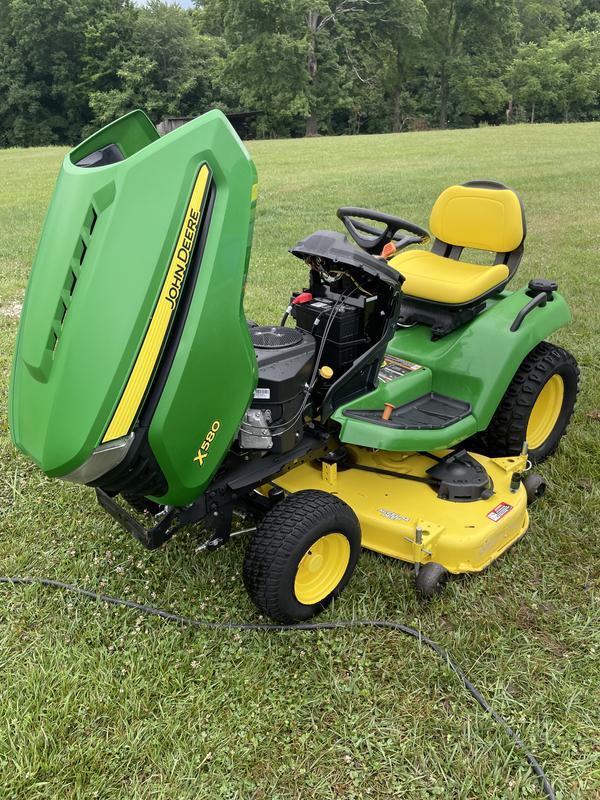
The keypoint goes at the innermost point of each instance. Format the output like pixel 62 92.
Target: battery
pixel 313 316
pixel 346 337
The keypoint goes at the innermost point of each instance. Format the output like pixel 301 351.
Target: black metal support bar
pixel 151 538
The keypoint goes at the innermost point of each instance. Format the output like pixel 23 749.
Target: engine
pixel 344 319
pixel 285 358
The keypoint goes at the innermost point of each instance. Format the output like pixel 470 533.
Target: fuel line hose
pixel 399 627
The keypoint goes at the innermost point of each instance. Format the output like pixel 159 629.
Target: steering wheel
pixel 378 238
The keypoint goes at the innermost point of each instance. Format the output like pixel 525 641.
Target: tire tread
pixel 272 546
pixel 504 435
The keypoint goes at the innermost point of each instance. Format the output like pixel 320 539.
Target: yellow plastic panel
pixel 463 537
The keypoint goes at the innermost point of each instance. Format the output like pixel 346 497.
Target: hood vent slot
pixel 68 290
pixel 93 220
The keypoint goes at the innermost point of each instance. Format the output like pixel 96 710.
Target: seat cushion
pixel 444 280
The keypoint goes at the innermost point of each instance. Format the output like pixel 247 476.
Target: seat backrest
pixel 482 215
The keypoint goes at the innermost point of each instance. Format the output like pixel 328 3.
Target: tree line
pixel 307 66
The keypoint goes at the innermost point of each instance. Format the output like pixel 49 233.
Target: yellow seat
pixel 480 215
pixel 439 280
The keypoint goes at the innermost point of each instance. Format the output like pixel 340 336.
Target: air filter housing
pixel 285 360
pixel 274 337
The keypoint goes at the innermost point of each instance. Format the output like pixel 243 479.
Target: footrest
pixel 432 411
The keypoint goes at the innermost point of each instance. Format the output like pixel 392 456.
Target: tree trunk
pixel 509 112
pixel 398 122
pixel 532 112
pixel 312 123
pixel 444 92
pixel 312 126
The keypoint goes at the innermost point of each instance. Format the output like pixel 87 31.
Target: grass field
pixel 99 702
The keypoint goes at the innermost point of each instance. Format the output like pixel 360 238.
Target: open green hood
pixel 133 352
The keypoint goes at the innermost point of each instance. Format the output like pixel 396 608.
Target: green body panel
pixel 214 374
pixel 75 352
pixel 475 364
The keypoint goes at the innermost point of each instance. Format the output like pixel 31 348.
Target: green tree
pixel 308 62
pixel 580 90
pixel 308 66
pixel 264 67
pixel 560 79
pixel 535 78
pixel 167 67
pixel 539 19
pixel 355 50
pixel 42 98
pixel 51 51
pixel 405 63
pixel 378 52
pixel 467 43
pixel 108 43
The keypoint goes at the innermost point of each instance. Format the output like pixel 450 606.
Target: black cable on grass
pixel 307 626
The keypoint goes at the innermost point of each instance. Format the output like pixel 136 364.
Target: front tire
pixel 537 406
pixel 302 555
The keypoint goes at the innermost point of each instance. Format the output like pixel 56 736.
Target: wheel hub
pixel 545 412
pixel 321 568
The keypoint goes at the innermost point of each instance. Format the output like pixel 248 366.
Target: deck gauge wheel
pixel 431 579
pixel 535 486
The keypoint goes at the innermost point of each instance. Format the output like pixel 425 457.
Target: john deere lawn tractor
pixel 399 406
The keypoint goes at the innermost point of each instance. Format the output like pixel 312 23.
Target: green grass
pixel 100 702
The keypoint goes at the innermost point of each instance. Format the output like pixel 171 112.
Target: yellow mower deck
pixel 405 519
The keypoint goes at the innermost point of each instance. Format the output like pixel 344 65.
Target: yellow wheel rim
pixel 321 569
pixel 545 412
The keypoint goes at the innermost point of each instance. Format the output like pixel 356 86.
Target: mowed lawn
pixel 100 702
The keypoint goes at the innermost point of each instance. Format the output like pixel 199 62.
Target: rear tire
pixel 302 555
pixel 537 406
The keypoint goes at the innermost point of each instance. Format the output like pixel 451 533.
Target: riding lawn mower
pixel 399 406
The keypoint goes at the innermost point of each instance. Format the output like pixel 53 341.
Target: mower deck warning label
pixel 394 367
pixel 500 511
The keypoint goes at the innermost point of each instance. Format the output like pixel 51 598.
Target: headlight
pixel 104 458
